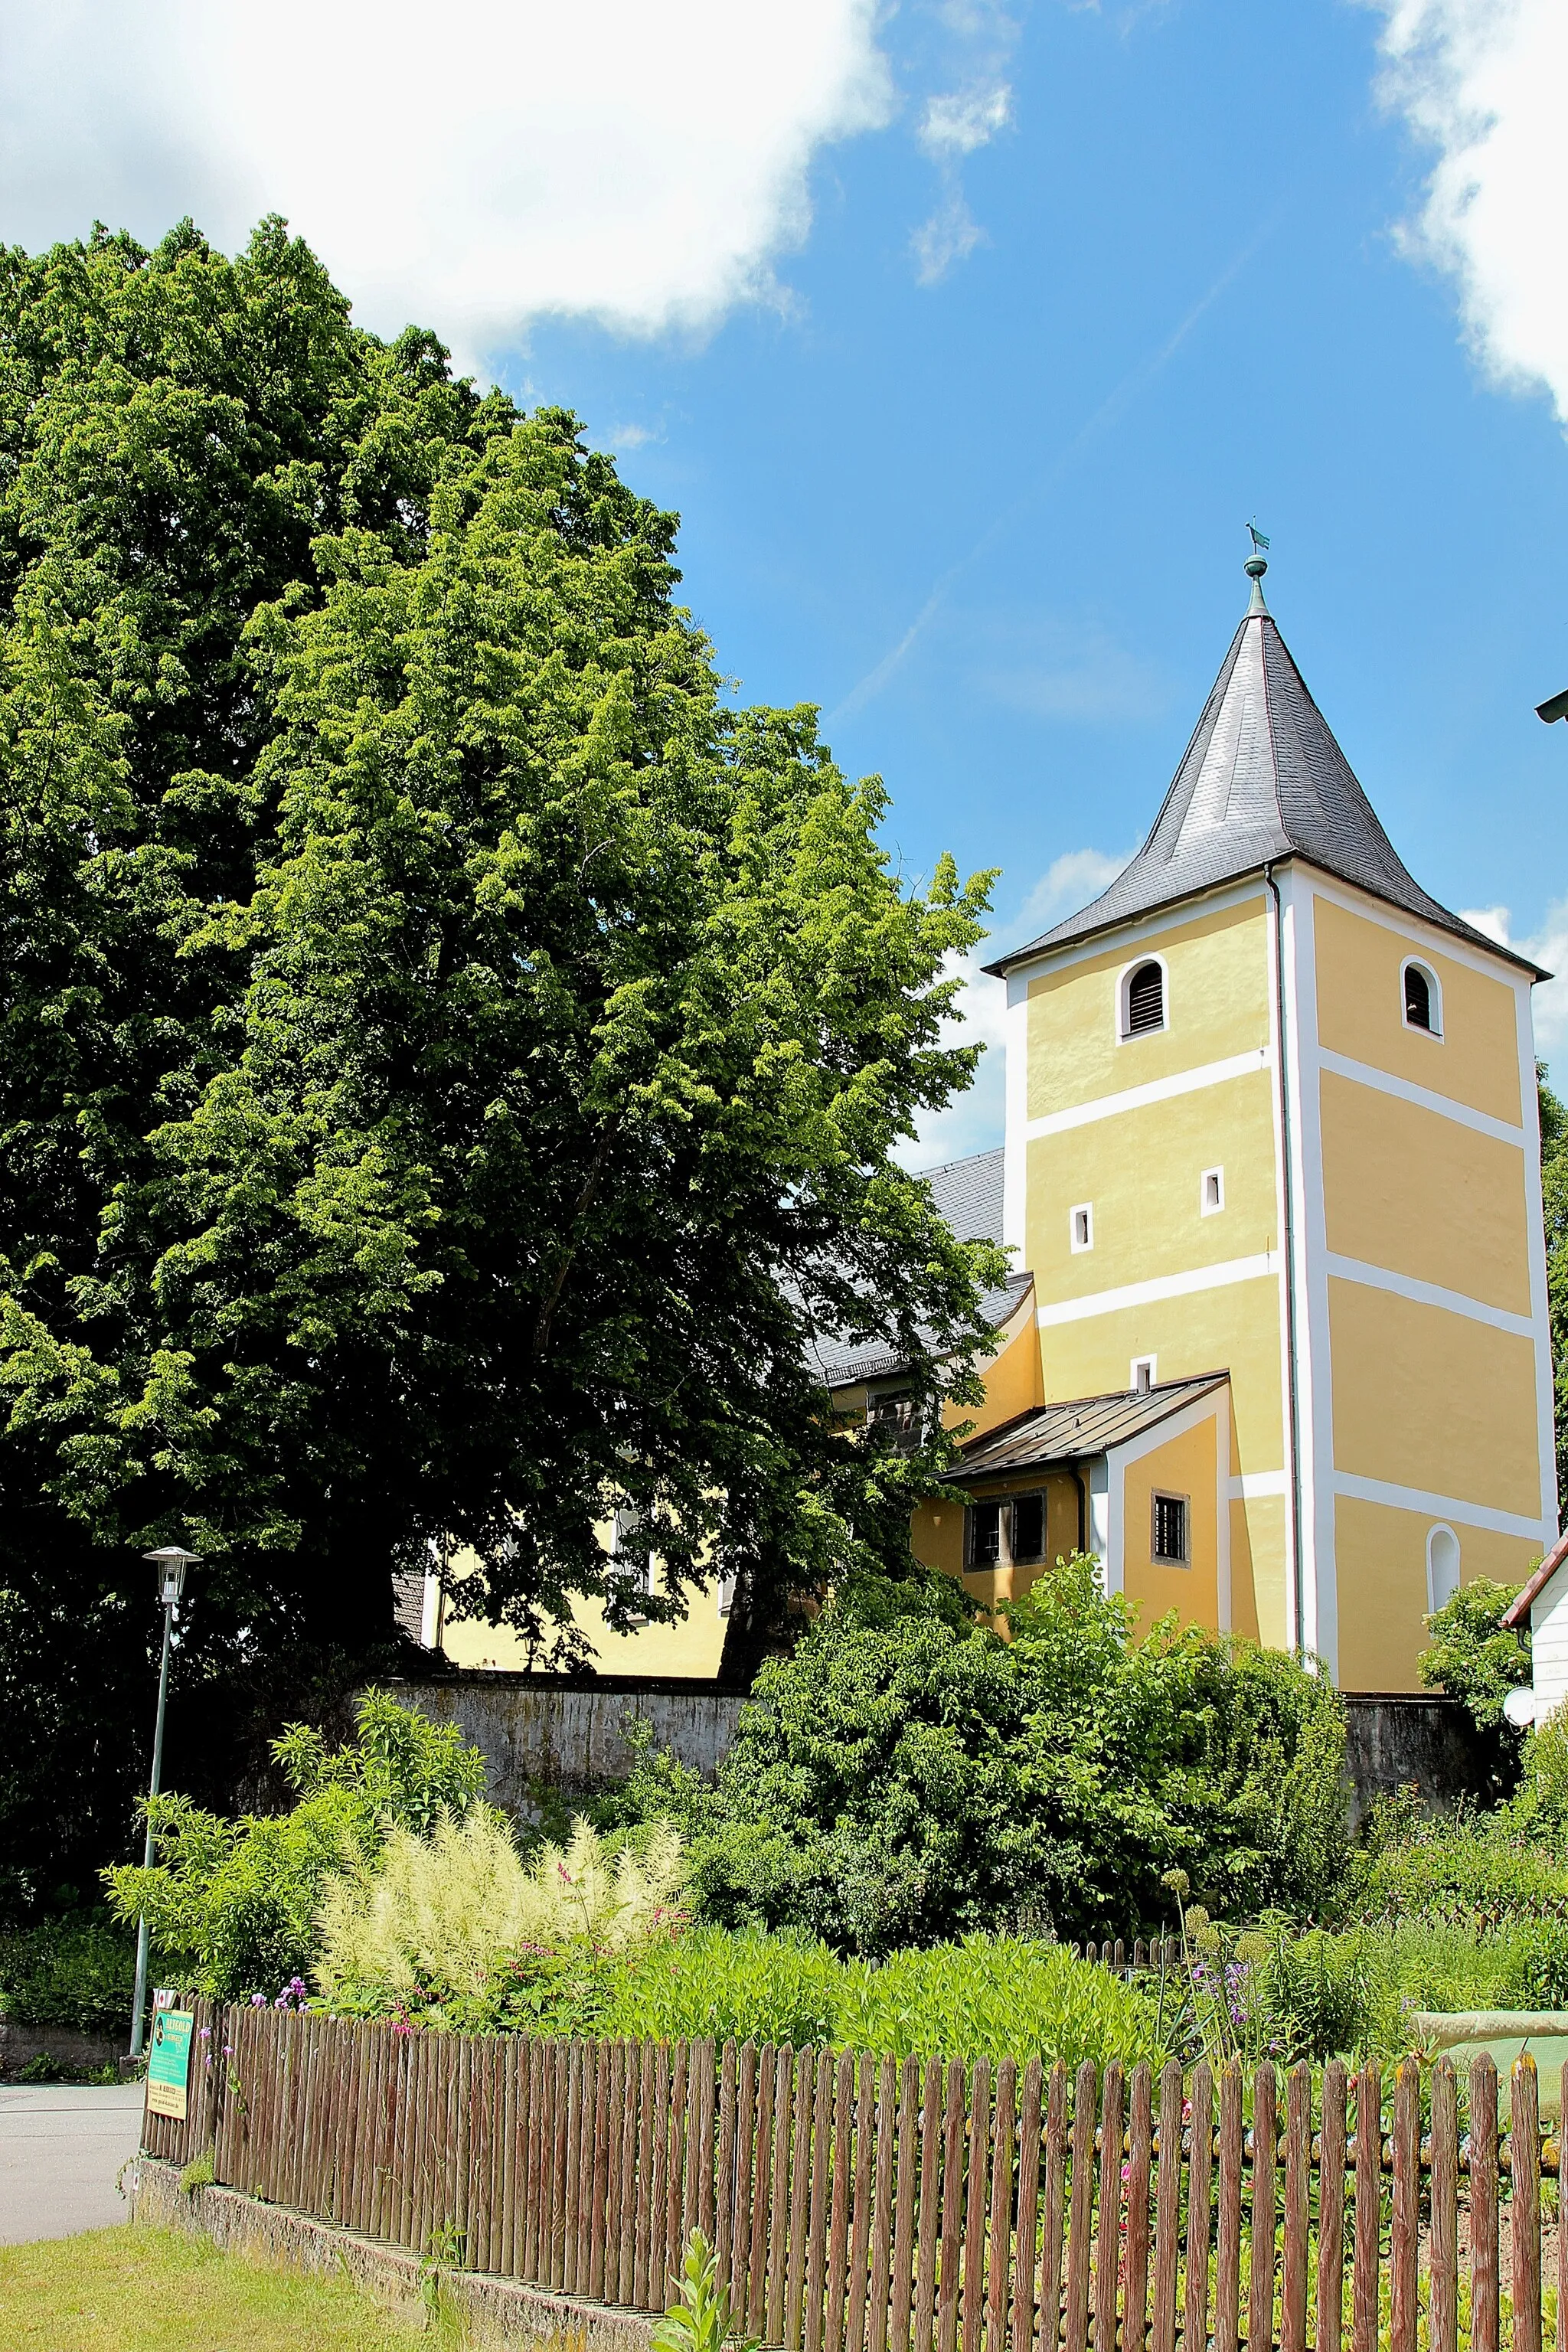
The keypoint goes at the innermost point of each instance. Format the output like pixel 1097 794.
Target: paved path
pixel 60 2147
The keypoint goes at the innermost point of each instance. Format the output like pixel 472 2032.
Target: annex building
pixel 1276 1344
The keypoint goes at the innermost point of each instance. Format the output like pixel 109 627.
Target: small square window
pixel 984 1535
pixel 1028 1527
pixel 1142 1379
pixel 1170 1533
pixel 1211 1191
pixel 1081 1225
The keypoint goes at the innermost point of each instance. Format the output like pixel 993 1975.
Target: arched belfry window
pixel 1423 998
pixel 1143 999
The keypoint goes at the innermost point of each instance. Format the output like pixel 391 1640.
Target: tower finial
pixel 1255 567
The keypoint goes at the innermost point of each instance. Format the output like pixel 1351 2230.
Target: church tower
pixel 1271 1113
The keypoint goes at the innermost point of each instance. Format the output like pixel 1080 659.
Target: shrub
pixel 233 1903
pixel 907 1777
pixel 1464 1867
pixel 451 1920
pixel 78 1971
pixel 1472 1654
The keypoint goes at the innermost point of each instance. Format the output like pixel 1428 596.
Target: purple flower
pixel 258 2001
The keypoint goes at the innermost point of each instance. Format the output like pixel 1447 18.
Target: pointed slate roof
pixel 1262 780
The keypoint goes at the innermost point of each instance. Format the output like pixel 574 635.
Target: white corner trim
pixel 1156 1090
pixel 1428 1294
pixel 1383 1082
pixel 430 1612
pixel 1256 1485
pixel 1167 1285
pixel 1545 1399
pixel 1442 1507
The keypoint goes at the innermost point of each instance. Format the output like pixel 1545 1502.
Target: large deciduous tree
pixel 452 1058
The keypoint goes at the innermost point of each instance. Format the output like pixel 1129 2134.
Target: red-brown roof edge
pixel 1519 1608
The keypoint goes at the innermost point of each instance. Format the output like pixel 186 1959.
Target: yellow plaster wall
pixel 1217 1005
pixel 1183 1466
pixel 936 1535
pixel 1382 1568
pixel 1427 1399
pixel 1408 1189
pixel 1248 1520
pixel 1140 1170
pixel 1360 1013
pixel 1012 1384
pixel 692 1646
pixel 1234 1328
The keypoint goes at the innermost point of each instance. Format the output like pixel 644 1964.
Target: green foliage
pixel 200 2173
pixel 233 1903
pixel 904 1777
pixel 1472 1654
pixel 700 2318
pixel 991 1997
pixel 1468 1867
pixel 78 1971
pixel 440 1920
pixel 1353 1993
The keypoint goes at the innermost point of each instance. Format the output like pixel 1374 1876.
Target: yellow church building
pixel 1276 1344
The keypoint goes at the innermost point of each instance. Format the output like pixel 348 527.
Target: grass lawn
pixel 145 2290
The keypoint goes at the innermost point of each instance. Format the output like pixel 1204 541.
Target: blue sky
pixel 966 340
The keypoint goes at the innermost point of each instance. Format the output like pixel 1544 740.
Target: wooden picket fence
pixel 879 2205
pixel 1128 1958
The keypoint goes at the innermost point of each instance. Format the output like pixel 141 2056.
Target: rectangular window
pixel 892 1411
pixel 1171 1529
pixel 1081 1225
pixel 1028 1527
pixel 1142 1379
pixel 1211 1194
pixel 985 1534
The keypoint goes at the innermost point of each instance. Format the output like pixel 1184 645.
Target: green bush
pixel 907 1777
pixel 1472 1654
pixel 78 1971
pixel 233 1903
pixel 1463 1866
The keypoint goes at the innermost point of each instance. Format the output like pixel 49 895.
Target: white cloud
pixel 974 1122
pixel 472 167
pixel 949 236
pixel 1548 946
pixel 1483 82
pixel 965 120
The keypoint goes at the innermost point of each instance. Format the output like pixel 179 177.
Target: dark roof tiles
pixel 1262 780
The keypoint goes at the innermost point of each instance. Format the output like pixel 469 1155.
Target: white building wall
pixel 1548 1643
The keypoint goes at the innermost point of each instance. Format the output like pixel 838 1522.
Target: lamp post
pixel 170 1560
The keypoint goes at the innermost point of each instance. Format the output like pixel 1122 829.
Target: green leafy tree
pixel 1472 1654
pixel 232 1905
pixel 453 1059
pixel 905 1777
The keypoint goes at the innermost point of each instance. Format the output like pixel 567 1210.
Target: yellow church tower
pixel 1273 1165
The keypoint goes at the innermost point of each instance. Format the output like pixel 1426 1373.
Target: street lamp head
pixel 170 1560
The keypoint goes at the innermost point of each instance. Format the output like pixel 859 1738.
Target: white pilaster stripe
pixel 1384 1083
pixel 1252 1484
pixel 1167 1285
pixel 1428 1294
pixel 1157 1090
pixel 1441 1507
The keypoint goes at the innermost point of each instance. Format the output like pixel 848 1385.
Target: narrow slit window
pixel 1081 1226
pixel 1211 1191
pixel 1028 1527
pixel 1171 1530
pixel 1145 999
pixel 984 1535
pixel 1142 1379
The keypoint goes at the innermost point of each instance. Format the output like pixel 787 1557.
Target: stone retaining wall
pixel 497 2310
pixel 75 2053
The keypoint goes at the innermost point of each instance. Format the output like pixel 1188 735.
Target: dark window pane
pixel 985 1534
pixel 1171 1528
pixel 1029 1528
pixel 1145 999
pixel 1417 998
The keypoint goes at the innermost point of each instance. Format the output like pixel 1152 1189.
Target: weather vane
pixel 1258 540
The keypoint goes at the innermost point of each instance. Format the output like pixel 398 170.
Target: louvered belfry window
pixel 1417 997
pixel 1145 999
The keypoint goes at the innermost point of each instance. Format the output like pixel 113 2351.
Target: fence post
pixel 1524 2152
pixel 1260 2280
pixel 1368 2210
pixel 1484 2282
pixel 1075 2319
pixel 1444 2258
pixel 1404 2230
pixel 1298 2192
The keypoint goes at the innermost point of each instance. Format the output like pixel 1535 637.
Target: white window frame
pixel 1084 1209
pixel 1126 1037
pixel 1434 1535
pixel 1139 1363
pixel 1433 998
pixel 1207 1208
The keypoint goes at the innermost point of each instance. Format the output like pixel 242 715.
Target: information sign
pixel 169 2063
